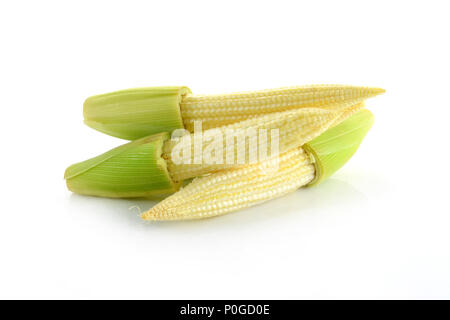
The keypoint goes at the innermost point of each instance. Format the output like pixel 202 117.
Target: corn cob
pixel 134 113
pixel 236 188
pixel 222 109
pixel 242 187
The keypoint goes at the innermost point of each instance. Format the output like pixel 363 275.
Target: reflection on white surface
pixel 328 195
pixel 116 209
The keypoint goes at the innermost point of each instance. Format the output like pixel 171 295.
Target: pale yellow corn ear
pixel 237 188
pixel 294 128
pixel 135 113
pixel 222 109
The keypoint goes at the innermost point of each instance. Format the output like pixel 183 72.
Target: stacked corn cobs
pixel 313 130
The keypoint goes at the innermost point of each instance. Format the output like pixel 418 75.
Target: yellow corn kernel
pixel 222 109
pixel 236 188
pixel 295 127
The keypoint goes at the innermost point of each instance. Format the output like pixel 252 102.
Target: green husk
pixel 332 149
pixel 134 113
pixel 135 169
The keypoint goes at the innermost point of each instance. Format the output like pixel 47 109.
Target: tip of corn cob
pixel 379 90
pixel 135 169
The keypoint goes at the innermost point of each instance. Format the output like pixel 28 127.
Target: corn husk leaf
pixel 135 169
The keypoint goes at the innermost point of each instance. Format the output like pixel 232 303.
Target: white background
pixel 380 228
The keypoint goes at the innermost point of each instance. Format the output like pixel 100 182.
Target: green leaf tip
pixel 135 169
pixel 332 149
pixel 135 113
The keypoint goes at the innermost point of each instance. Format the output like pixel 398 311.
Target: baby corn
pixel 222 109
pixel 135 113
pixel 236 188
